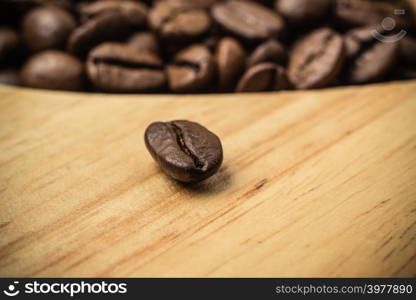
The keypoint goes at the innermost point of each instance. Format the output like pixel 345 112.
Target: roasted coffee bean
pixel 184 150
pixel 134 12
pixel 248 20
pixel 263 77
pixel 192 70
pixel 47 27
pixel 353 13
pixel 114 67
pixel 175 22
pixel 144 41
pixel 191 4
pixel 9 43
pixel 53 69
pixel 303 11
pixel 231 61
pixel 9 77
pixel 108 26
pixel 369 59
pixel 269 51
pixel 316 59
pixel 408 51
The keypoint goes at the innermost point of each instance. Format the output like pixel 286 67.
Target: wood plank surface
pixel 315 183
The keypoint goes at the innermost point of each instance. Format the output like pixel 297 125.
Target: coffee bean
pixel 144 41
pixel 108 26
pixel 303 11
pixel 248 20
pixel 9 43
pixel 9 77
pixel 316 59
pixel 184 150
pixel 134 12
pixel 114 67
pixel 263 77
pixel 47 27
pixel 175 22
pixel 369 59
pixel 408 51
pixel 53 69
pixel 191 4
pixel 192 70
pixel 231 60
pixel 269 51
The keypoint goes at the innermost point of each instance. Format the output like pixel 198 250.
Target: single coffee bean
pixel 47 27
pixel 368 59
pixel 184 150
pixel 192 70
pixel 108 26
pixel 263 77
pixel 269 51
pixel 53 69
pixel 248 19
pixel 316 59
pixel 144 41
pixel 408 50
pixel 134 12
pixel 9 77
pixel 9 43
pixel 231 61
pixel 175 22
pixel 303 11
pixel 114 67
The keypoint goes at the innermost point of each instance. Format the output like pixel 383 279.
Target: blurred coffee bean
pixel 144 41
pixel 408 50
pixel 47 27
pixel 190 4
pixel 316 59
pixel 9 77
pixel 303 11
pixel 53 69
pixel 263 77
pixel 192 70
pixel 134 12
pixel 248 20
pixel 269 51
pixel 9 43
pixel 114 67
pixel 175 22
pixel 231 61
pixel 369 59
pixel 108 26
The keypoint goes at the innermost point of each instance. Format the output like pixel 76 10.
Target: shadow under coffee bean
pixel 204 46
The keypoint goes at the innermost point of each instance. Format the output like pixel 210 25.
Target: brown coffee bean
pixel 316 59
pixel 190 4
pixel 104 27
pixel 269 51
pixel 192 70
pixel 135 12
pixel 114 67
pixel 231 61
pixel 9 77
pixel 9 43
pixel 248 19
pixel 263 77
pixel 174 22
pixel 47 27
pixel 53 69
pixel 369 59
pixel 408 50
pixel 184 150
pixel 303 11
pixel 144 41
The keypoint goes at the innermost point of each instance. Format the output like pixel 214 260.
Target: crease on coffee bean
pixel 125 64
pixel 181 142
pixel 196 67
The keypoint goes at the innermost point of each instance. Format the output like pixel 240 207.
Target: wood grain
pixel 317 183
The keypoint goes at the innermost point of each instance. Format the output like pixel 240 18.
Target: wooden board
pixel 315 183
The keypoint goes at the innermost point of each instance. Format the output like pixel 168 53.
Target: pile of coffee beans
pixel 204 46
